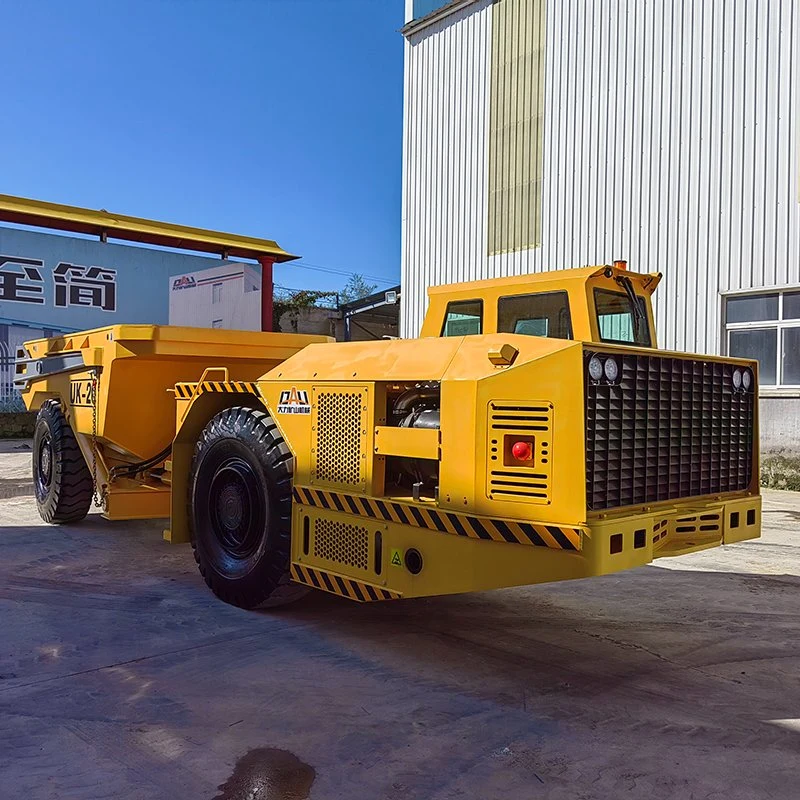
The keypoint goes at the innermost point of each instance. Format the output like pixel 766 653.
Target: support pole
pixel 267 289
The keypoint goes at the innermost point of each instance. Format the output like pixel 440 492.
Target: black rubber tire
pixel 240 509
pixel 61 480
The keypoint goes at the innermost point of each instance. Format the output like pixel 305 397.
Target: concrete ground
pixel 121 676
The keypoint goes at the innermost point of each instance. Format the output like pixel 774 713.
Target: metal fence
pixel 10 398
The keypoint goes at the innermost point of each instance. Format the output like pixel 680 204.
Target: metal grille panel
pixel 532 422
pixel 670 428
pixel 339 422
pixel 342 543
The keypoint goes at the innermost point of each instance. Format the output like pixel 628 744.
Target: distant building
pixel 542 134
pixel 52 284
pixel 376 316
pixel 227 295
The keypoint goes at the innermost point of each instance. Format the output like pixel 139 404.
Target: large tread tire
pixel 61 480
pixel 240 509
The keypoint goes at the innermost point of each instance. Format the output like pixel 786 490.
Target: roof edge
pixel 416 25
pixel 73 219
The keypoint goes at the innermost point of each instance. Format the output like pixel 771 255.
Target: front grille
pixel 668 428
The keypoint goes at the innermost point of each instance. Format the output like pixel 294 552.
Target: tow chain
pixel 97 497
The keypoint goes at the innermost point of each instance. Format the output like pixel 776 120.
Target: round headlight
pixel 611 369
pixel 595 368
pixel 737 379
pixel 747 379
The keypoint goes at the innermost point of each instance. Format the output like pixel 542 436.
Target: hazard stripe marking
pixel 338 584
pixel 187 390
pixel 477 526
pixel 561 538
pixel 532 534
pixel 554 537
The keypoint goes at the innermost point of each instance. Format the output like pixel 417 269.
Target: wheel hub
pixel 236 507
pixel 45 471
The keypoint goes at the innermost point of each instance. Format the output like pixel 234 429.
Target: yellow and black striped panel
pixel 188 390
pixel 556 537
pixel 337 584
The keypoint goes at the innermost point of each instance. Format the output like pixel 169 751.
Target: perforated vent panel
pixel 342 543
pixel 339 423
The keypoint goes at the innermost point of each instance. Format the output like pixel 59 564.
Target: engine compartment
pixel 414 405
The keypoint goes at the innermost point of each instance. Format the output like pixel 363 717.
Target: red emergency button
pixel 522 451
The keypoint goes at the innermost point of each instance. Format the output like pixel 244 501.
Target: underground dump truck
pixel 534 433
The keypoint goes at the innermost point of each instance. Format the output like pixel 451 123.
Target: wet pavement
pixel 121 676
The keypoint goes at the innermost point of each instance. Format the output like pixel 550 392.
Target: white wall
pixel 191 297
pixel 671 140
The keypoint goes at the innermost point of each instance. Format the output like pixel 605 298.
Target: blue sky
pixel 274 118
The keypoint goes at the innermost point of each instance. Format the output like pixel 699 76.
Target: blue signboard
pixel 68 284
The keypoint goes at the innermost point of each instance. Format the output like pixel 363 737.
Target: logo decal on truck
pixel 294 401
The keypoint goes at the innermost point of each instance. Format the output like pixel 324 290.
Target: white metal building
pixel 547 134
pixel 225 296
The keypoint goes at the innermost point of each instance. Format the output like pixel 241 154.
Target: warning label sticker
pixel 396 559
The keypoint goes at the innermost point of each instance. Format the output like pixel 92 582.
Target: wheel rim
pixel 236 508
pixel 44 465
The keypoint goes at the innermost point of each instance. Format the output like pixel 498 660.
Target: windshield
pixel 618 321
pixel 542 314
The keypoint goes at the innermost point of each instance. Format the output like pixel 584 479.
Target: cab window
pixel 542 314
pixel 463 318
pixel 617 319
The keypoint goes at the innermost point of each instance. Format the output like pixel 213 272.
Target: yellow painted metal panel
pixel 408 442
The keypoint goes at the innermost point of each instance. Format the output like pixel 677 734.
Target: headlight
pixel 595 368
pixel 737 379
pixel 747 379
pixel 611 369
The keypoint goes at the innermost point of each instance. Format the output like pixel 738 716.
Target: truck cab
pixel 604 304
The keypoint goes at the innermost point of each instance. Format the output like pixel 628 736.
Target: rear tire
pixel 240 509
pixel 61 480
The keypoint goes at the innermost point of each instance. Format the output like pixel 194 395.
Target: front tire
pixel 240 509
pixel 61 480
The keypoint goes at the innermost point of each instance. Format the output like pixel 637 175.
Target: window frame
pixel 551 292
pixel 779 325
pixel 640 299
pixel 216 293
pixel 479 301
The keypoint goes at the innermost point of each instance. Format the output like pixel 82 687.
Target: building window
pixel 516 126
pixel 543 314
pixel 463 318
pixel 217 323
pixel 216 292
pixel 766 327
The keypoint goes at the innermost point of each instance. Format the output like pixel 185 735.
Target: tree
pixel 294 302
pixel 355 289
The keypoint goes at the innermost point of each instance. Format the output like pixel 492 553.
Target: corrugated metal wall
pixel 670 139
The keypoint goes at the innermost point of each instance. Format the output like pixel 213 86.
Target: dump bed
pixel 117 382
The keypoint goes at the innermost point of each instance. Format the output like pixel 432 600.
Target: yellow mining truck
pixel 534 433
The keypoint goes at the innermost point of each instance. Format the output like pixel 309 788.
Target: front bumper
pixel 623 541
